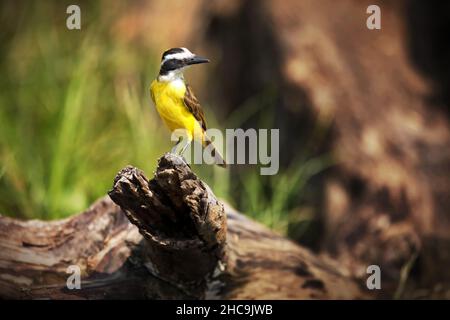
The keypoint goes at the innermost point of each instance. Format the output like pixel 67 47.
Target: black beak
pixel 196 60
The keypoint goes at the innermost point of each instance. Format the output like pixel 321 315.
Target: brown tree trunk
pixel 375 100
pixel 181 243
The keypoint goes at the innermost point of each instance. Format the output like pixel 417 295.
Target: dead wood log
pixel 176 246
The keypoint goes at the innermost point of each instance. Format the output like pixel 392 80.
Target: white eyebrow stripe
pixel 178 56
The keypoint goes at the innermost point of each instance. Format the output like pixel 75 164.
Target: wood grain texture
pixel 181 243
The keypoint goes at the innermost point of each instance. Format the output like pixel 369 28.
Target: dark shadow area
pixel 428 29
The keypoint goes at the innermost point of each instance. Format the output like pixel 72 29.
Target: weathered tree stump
pixel 176 246
pixel 182 222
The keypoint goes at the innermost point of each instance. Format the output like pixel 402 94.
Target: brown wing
pixel 194 106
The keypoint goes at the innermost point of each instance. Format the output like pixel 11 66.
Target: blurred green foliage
pixel 75 109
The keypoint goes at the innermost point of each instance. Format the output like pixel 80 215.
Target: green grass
pixel 75 109
pixel 277 201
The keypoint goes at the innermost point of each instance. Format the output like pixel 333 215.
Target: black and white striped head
pixel 175 60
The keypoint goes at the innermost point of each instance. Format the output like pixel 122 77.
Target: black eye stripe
pixel 172 64
pixel 172 51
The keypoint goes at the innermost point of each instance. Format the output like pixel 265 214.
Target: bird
pixel 176 103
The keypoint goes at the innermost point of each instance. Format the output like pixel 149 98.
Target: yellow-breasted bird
pixel 175 101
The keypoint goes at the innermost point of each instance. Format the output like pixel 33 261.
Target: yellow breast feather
pixel 168 98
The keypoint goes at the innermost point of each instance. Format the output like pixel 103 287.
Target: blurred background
pixel 363 117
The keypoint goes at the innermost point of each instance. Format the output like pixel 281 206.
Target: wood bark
pixel 181 243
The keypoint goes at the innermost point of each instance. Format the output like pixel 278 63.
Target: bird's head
pixel 175 60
